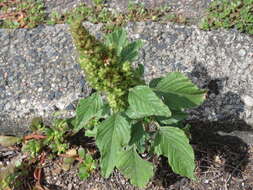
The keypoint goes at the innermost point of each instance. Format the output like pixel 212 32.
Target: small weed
pixel 99 13
pixel 55 18
pixel 56 136
pixel 32 147
pixel 45 142
pixel 22 13
pixel 53 137
pixel 87 166
pixel 98 2
pixel 30 13
pixel 229 14
pixel 18 175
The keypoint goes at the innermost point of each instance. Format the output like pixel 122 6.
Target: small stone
pixel 51 95
pixel 242 52
pixel 249 121
pixel 1 106
pixel 248 100
pixel 8 106
pixel 58 94
pixel 40 89
pixel 69 186
pixel 23 101
pixel 70 107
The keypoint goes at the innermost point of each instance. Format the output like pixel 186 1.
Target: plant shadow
pixel 220 144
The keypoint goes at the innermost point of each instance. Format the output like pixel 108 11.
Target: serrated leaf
pixel 134 167
pixel 139 71
pixel 106 110
pixel 137 133
pixel 174 144
pixel 153 83
pixel 81 152
pixel 91 132
pixel 179 92
pixel 144 102
pixel 71 122
pixel 175 118
pixel 83 172
pixel 112 135
pixel 87 109
pixel 130 51
pixel 138 137
pixel 117 39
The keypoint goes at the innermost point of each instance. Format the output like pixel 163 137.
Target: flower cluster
pixel 103 66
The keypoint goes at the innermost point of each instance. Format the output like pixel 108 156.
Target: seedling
pixel 87 166
pixel 55 18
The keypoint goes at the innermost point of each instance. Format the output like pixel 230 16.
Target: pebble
pixel 248 100
pixel 242 52
pixel 22 101
pixel 8 106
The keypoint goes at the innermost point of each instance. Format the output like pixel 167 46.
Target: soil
pixel 223 163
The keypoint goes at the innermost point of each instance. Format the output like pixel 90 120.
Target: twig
pixel 235 169
pixel 34 136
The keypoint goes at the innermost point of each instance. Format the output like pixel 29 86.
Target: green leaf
pixel 83 172
pixel 112 135
pixel 117 39
pixel 138 137
pixel 130 51
pixel 134 167
pixel 137 133
pixel 174 144
pixel 153 83
pixel 179 92
pixel 91 132
pixel 175 118
pixel 144 102
pixel 81 152
pixel 87 109
pixel 139 71
pixel 105 112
